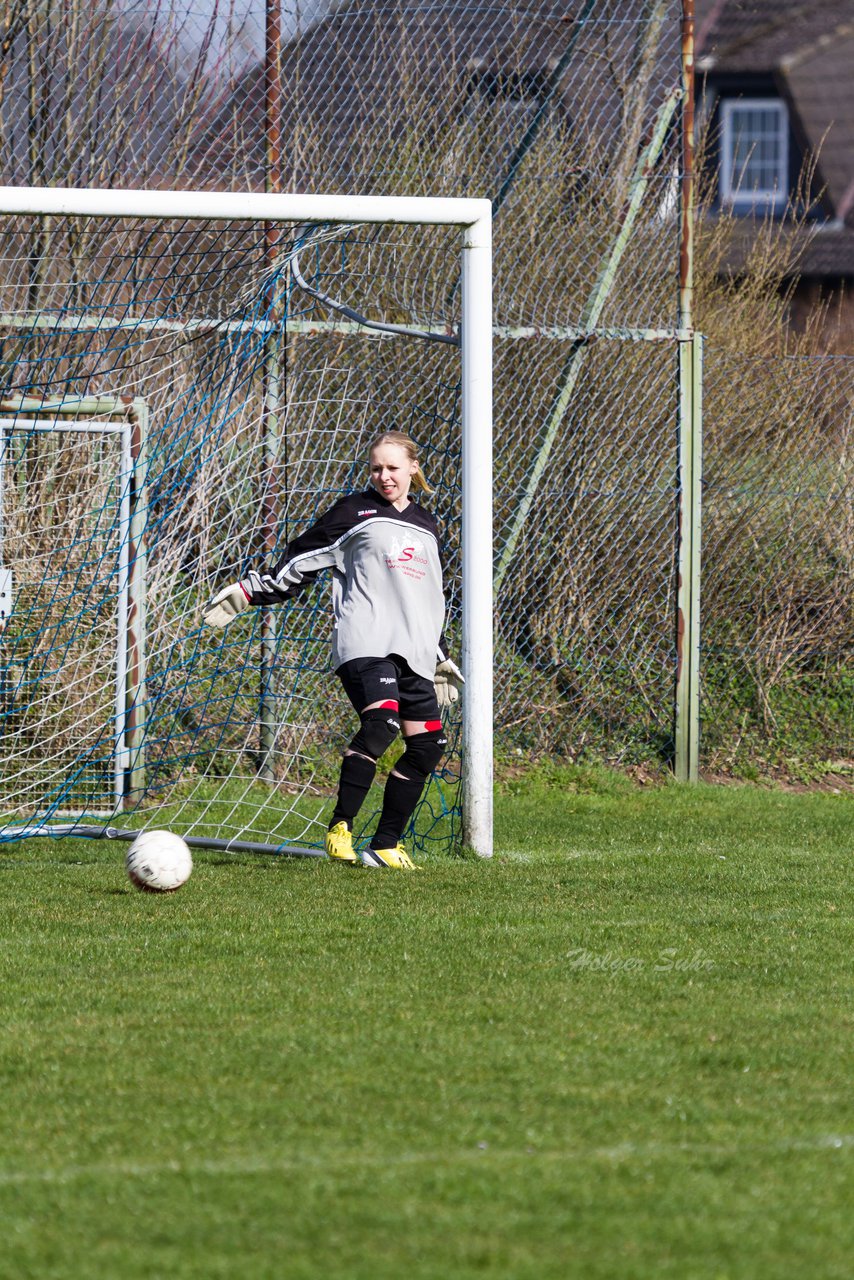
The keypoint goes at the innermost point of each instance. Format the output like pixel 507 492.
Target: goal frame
pixel 473 218
pixel 125 418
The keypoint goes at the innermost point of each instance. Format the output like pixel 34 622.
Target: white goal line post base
pixel 473 218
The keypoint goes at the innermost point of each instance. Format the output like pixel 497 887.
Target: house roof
pixel 808 49
pixel 361 61
pixel 820 82
pixel 359 73
pixel 812 251
pixel 757 35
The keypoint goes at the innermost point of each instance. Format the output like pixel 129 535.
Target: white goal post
pixel 473 219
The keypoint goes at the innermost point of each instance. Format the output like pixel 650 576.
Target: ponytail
pixel 419 480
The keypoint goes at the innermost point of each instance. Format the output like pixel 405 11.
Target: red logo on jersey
pixel 406 559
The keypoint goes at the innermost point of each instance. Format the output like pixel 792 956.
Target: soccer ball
pixel 158 862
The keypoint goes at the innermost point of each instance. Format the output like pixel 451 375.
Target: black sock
pixel 399 801
pixel 357 774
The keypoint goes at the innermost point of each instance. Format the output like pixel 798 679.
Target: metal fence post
pixel 687 694
pixel 686 699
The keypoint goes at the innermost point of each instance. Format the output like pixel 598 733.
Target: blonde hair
pixel 419 480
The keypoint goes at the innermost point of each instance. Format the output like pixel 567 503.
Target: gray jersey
pixel 386 579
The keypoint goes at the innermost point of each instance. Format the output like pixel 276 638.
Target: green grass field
pixel 621 1049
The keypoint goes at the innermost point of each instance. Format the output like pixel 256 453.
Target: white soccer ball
pixel 158 862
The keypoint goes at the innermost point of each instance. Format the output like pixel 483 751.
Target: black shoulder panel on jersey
pixel 313 547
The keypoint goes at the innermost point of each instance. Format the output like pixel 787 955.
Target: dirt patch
pixel 837 780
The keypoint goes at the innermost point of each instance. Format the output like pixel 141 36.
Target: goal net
pixel 186 382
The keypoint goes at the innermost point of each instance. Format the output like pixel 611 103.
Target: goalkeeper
pixel 388 649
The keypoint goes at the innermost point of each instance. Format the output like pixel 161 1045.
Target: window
pixel 514 95
pixel 754 152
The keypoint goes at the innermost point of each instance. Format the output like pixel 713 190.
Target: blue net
pixel 174 409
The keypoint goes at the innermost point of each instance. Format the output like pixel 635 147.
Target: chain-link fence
pixel 778 595
pixel 569 118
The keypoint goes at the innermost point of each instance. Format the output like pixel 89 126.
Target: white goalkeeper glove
pixel 448 682
pixel 225 605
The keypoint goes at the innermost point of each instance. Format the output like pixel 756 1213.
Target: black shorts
pixel 390 679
